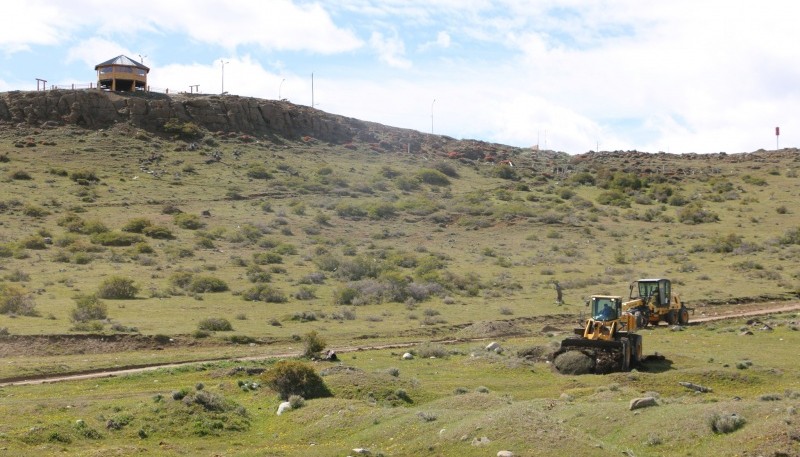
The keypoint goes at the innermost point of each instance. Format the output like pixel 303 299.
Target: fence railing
pixel 74 86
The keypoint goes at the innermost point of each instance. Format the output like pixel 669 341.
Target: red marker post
pixel 777 135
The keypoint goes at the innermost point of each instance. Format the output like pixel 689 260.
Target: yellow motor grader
pixel 607 343
pixel 653 298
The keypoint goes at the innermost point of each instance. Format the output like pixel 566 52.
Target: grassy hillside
pixel 219 245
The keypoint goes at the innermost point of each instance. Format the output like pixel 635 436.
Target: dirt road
pixel 716 313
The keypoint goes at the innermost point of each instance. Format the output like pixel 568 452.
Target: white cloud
pixel 30 23
pixel 390 50
pixel 96 50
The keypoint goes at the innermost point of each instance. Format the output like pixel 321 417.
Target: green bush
pixel 20 175
pixel 694 213
pixel 185 130
pixel 117 288
pixel 202 284
pixel 188 221
pixel 181 279
pixel 265 293
pixel 350 211
pixel 35 242
pixel 313 344
pixel 257 274
pixel 266 258
pixel 14 300
pixel 292 377
pixel 258 172
pixel 136 225
pixel 433 177
pixel 725 423
pixel 158 232
pixel 87 308
pixel 34 211
pixel 116 238
pixel 84 177
pixel 215 324
pixel 614 197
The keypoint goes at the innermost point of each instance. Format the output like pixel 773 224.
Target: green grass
pixel 449 402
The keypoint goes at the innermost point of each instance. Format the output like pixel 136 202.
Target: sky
pixel 676 76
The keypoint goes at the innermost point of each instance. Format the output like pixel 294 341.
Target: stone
pixel 505 454
pixel 643 402
pixel 285 406
pixel 493 346
pixel 408 356
pixel 482 441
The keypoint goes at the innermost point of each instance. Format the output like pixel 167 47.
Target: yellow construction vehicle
pixel 653 298
pixel 607 343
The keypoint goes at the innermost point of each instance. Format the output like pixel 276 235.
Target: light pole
pixel 434 101
pixel 222 92
pixel 279 88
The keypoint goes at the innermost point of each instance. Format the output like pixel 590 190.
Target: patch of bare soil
pixel 49 345
pixel 491 329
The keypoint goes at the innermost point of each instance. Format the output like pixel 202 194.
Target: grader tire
pixel 683 316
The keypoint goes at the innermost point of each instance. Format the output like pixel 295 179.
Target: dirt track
pixel 719 313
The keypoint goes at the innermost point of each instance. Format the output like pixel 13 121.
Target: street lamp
pixel 434 101
pixel 279 88
pixel 222 92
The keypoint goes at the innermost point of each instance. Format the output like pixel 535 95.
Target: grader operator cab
pixel 607 342
pixel 653 299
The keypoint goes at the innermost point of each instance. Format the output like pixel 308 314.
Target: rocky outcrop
pixel 100 109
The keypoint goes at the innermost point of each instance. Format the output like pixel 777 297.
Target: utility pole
pixel 222 92
pixel 434 101
pixel 312 89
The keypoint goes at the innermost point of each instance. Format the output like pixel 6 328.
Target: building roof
pixel 122 60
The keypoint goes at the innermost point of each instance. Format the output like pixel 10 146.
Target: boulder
pixel 643 402
pixel 408 356
pixel 494 346
pixel 505 454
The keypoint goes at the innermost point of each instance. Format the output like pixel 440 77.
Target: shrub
pixel 14 300
pixel 257 274
pixel 35 242
pixel 117 288
pixel 200 284
pixel 432 177
pixel 614 197
pixel 428 350
pixel 725 423
pixel 21 175
pixel 305 293
pixel 313 344
pixel 116 239
pixel 215 324
pixel 297 401
pixel 292 377
pixel 87 308
pixel 34 211
pixel 136 225
pixel 265 293
pixel 185 130
pixel 694 213
pixel 266 258
pixel 158 232
pixel 84 177
pixel 258 172
pixel 188 221
pixel 181 279
pixel 446 169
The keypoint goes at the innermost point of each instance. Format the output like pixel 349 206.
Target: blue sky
pixel 571 75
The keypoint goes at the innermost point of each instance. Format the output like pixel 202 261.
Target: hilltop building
pixel 122 73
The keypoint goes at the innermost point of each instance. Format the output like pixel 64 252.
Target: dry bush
pixel 292 377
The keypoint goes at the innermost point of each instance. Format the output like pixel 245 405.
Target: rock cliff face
pixel 229 113
pixel 95 109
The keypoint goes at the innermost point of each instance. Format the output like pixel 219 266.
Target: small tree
pixel 87 308
pixel 292 377
pixel 117 288
pixel 314 344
